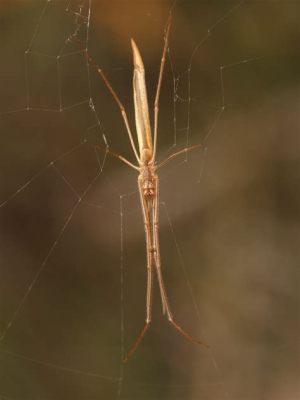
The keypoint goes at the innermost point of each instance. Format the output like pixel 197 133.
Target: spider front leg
pixel 149 246
pixel 164 297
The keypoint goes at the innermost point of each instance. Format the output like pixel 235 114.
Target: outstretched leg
pixel 100 72
pixel 118 156
pixel 147 222
pixel 161 71
pixel 166 306
pixel 177 153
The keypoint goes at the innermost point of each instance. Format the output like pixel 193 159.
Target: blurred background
pixel 73 273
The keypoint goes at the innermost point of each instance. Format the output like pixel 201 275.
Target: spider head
pixel 149 189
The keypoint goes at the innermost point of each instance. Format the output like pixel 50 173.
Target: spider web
pixel 72 243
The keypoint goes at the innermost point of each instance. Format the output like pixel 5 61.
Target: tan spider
pixel 148 179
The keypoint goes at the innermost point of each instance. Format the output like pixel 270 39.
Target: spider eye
pixel 149 192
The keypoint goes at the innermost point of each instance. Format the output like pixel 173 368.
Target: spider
pixel 148 180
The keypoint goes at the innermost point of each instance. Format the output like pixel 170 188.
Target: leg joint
pixel 153 249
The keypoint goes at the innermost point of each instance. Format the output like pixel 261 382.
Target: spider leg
pixel 147 222
pixel 118 156
pixel 177 153
pixel 161 71
pixel 100 72
pixel 164 297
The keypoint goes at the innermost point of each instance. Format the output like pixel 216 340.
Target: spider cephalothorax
pixel 149 189
pixel 147 180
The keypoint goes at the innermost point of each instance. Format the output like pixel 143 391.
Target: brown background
pixel 234 208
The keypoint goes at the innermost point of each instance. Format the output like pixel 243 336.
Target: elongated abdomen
pixel 141 109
